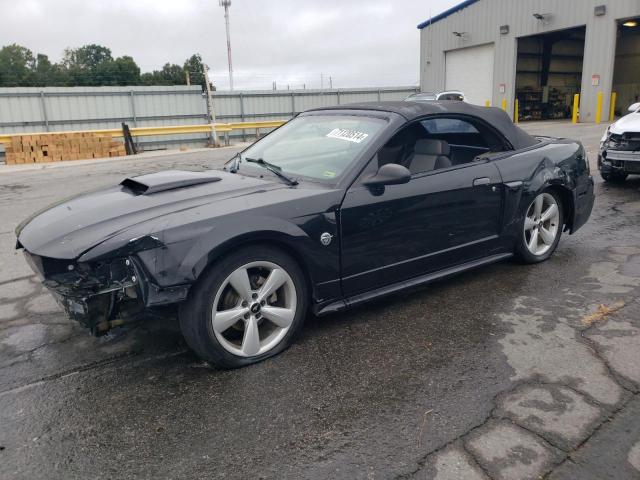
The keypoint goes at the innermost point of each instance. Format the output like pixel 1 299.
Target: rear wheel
pixel 246 308
pixel 541 228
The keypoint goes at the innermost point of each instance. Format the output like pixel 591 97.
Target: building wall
pixel 481 22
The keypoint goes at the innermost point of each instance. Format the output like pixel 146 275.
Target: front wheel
pixel 541 228
pixel 247 307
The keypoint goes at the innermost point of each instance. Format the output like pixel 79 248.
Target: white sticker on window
pixel 348 135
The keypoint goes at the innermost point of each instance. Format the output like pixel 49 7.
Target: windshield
pixel 321 147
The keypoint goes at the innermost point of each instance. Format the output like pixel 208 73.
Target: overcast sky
pixel 358 43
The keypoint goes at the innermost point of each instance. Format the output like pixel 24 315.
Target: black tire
pixel 196 312
pixel 522 251
pixel 614 177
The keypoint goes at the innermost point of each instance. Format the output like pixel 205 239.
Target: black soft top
pixel 412 110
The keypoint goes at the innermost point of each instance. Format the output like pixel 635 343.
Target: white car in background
pixel 455 95
pixel 421 97
pixel 620 147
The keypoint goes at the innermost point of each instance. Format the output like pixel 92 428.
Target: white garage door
pixel 471 70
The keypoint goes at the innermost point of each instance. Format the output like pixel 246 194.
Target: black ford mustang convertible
pixel 338 206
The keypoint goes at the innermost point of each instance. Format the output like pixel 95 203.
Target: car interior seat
pixel 430 154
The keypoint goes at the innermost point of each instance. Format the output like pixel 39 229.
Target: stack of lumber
pixel 56 147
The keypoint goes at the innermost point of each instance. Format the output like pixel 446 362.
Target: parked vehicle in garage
pixel 620 147
pixel 338 206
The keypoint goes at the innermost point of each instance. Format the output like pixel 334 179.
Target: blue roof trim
pixel 445 14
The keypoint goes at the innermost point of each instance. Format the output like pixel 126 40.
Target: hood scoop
pixel 169 180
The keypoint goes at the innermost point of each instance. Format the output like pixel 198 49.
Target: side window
pixel 401 146
pixel 436 143
pixel 448 125
pixel 462 141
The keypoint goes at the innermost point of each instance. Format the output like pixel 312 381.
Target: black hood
pixel 69 228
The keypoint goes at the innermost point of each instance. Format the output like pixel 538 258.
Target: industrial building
pixel 540 52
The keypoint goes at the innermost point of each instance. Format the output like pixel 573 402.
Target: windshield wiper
pixel 275 169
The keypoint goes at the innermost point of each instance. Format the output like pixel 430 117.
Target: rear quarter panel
pixel 557 163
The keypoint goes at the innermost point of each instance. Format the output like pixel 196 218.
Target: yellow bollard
pixel 487 103
pixel 599 108
pixel 504 104
pixel 576 107
pixel 612 106
pixel 516 115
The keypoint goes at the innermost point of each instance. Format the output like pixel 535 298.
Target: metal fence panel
pixel 33 109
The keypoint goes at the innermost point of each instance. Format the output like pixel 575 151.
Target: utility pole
pixel 226 4
pixel 186 73
pixel 211 113
pixel 330 83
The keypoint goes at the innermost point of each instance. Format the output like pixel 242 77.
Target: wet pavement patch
pixel 607 454
pixel 507 452
pixel 540 346
pixel 618 341
pixel 559 414
pixel 452 463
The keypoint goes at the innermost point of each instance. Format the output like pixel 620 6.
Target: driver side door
pixel 439 219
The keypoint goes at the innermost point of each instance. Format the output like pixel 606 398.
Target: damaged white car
pixel 620 147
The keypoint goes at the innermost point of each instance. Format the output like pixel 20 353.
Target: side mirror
pixel 388 174
pixel 634 107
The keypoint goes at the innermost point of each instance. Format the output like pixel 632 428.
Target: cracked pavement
pixel 506 372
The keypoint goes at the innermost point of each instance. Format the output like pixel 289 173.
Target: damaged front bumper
pixel 99 296
pixel 620 154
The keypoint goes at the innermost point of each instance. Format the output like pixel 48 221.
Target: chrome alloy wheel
pixel 254 308
pixel 541 224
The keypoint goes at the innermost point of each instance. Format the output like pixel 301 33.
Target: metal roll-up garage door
pixel 471 70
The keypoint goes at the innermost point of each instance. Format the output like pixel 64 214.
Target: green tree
pixel 150 78
pixel 16 66
pixel 126 71
pixel 121 71
pixel 43 71
pixel 173 74
pixel 170 74
pixel 89 65
pixel 87 56
pixel 195 67
pixel 47 74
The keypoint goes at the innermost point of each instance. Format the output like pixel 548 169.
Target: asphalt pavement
pixel 507 372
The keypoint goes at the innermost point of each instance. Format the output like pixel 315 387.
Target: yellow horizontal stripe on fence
pixel 151 131
pixel 253 125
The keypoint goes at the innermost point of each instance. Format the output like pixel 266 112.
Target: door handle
pixel 481 181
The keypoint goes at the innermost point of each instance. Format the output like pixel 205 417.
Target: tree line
pixel 89 65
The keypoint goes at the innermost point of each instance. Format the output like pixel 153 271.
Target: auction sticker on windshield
pixel 346 134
